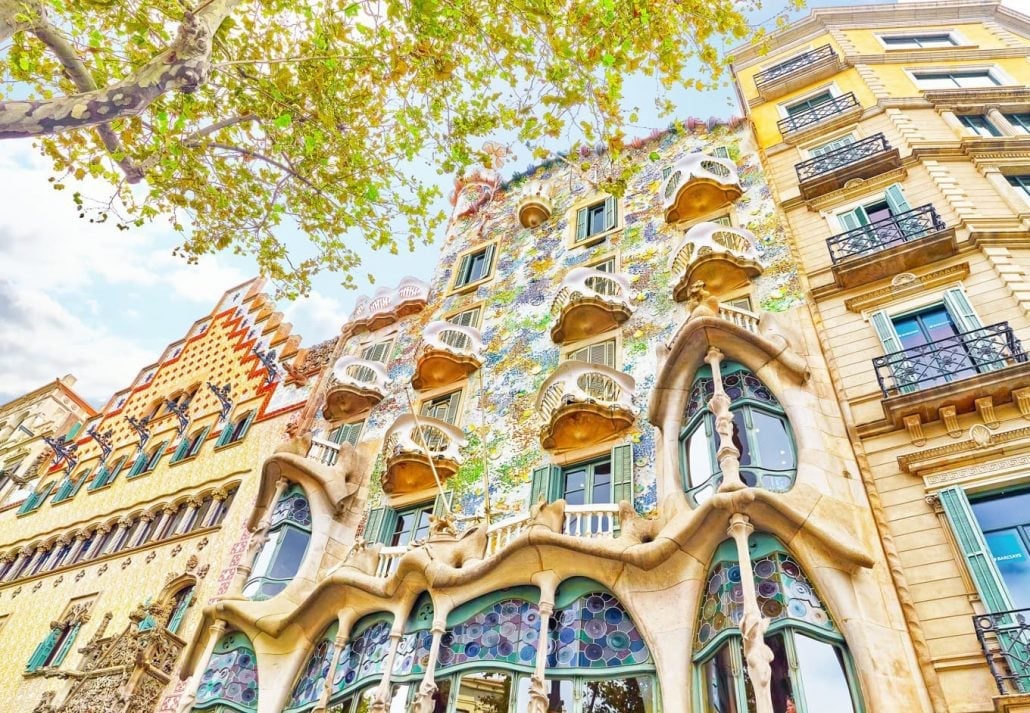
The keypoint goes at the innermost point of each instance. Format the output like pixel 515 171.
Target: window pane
pixel 783 698
pixel 1013 561
pixel 290 554
pixel 975 79
pixel 403 527
pixel 699 461
pixel 595 219
pixel 625 695
pixel 486 692
pixel 823 676
pixel 717 683
pixel 601 492
pixel 772 442
pixel 935 81
pixel 575 486
pixel 1004 511
pixel 422 530
pixel 477 267
pixel 739 439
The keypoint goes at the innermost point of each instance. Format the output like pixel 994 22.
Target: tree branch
pixel 194 138
pixel 183 67
pixel 9 9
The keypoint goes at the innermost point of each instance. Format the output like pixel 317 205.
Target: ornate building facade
pixel 896 140
pixel 110 547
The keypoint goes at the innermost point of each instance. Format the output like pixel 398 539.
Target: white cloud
pixel 325 315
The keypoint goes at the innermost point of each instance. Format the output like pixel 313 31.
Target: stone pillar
pixel 41 554
pixel 143 518
pixel 757 655
pixel 166 512
pixel 21 563
pixel 727 455
pixel 1002 124
pixel 342 637
pixel 94 548
pixel 190 694
pixel 381 704
pixel 123 525
pixel 427 688
pixel 6 558
pixel 58 544
pixel 76 550
pixel 954 124
pixel 185 525
pixel 218 497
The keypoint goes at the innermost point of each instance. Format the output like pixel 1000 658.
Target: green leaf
pixel 654 156
pixel 283 120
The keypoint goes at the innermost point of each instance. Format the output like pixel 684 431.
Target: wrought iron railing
pixel 1005 641
pixel 887 233
pixel 844 156
pixel 778 71
pixel 950 359
pixel 819 112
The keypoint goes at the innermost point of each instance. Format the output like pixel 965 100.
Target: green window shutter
pixel 223 437
pixel 141 460
pixel 201 439
pixel 541 485
pixel 246 425
pixel 66 646
pixel 884 327
pixel 180 452
pixel 64 491
pixel 581 225
pixel 610 216
pixel 974 548
pixel 180 612
pixel 43 650
pixel 442 503
pixel 961 310
pixel 488 264
pixel 462 276
pixel 374 525
pixel 622 473
pixel 896 199
pixel 853 219
pixel 160 453
pixel 452 408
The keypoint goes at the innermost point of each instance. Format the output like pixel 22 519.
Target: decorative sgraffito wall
pixel 499 417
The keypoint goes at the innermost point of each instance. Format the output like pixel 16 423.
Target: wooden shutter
pixel 177 616
pixel 581 225
pixel 896 200
pixel 374 525
pixel 622 473
pixel 66 646
pixel 961 310
pixel 180 452
pixel 610 216
pixel 884 327
pixel 461 277
pixel 452 408
pixel 226 433
pixel 442 503
pixel 603 353
pixel 199 442
pixel 974 548
pixel 376 352
pixel 246 425
pixel 853 219
pixel 488 262
pixel 546 483
pixel 579 355
pixel 159 453
pixel 43 650
pixel 141 460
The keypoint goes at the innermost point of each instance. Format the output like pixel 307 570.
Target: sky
pixel 100 303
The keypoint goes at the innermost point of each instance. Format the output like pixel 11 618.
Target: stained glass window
pixel 364 657
pixel 315 673
pixel 595 631
pixel 231 676
pixel 506 632
pixel 283 552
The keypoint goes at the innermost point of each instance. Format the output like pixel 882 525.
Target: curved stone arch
pixel 309 682
pixel 374 630
pixel 233 652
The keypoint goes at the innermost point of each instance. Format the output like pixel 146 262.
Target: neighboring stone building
pixel 51 411
pixel 624 403
pixel 108 555
pixel 897 143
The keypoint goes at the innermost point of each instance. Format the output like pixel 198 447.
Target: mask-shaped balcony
pixel 388 305
pixel 834 169
pixel 589 302
pixel 359 384
pixel 534 205
pixel 449 352
pixel 408 447
pixel 798 71
pixel 722 257
pixel 583 404
pixel 698 185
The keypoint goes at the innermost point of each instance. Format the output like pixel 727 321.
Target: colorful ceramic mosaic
pixel 595 631
pixel 230 676
pixel 783 592
pixel 315 673
pixel 364 657
pixel 292 507
pixel 507 632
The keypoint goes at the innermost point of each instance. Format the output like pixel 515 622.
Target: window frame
pixel 587 203
pixel 490 247
pixel 588 481
pixel 614 336
pixel 385 344
pixel 1020 120
pixel 918 75
pixel 952 36
pixel 479 307
pixel 822 142
pixel 1020 184
pixel 975 124
pixel 448 392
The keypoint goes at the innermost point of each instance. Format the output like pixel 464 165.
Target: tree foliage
pixel 234 117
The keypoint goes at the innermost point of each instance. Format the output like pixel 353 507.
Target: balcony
pixel 724 258
pixel 449 352
pixel 358 386
pixel 408 448
pixel 589 302
pixel 323 451
pixel 698 185
pixel 958 371
pixel 837 112
pixel 388 305
pixel 885 248
pixel 797 72
pixel 582 404
pixel 834 169
pixel 1005 641
pixel 534 204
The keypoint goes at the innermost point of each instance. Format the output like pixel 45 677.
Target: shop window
pixel 761 433
pixel 283 553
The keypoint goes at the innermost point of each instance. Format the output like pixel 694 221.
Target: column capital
pixel 740 524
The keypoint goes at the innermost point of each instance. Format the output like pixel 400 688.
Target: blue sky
pixel 101 303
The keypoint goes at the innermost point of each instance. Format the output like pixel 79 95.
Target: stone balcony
pixel 698 185
pixel 722 257
pixel 535 204
pixel 582 404
pixel 827 116
pixel 448 353
pixel 413 450
pixel 589 302
pixel 833 170
pixel 798 71
pixel 359 385
pixel 388 305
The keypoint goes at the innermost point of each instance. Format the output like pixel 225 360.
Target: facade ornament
pixel 58 580
pixel 176 550
pixel 103 568
pixel 150 557
pixel 700 302
pixel 36 586
pixel 191 563
pixel 222 394
pixel 124 521
pixel 45 704
pixel 142 428
pixel 80 574
pixel 202 572
pixel 16 592
pixel 202 543
pixel 64 452
pixel 103 440
pixel 267 359
pixel 182 414
pixel 727 455
pixel 126 562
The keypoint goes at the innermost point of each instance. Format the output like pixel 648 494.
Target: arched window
pixel 811 669
pixel 180 603
pixel 230 681
pixel 235 430
pixel 315 673
pixel 761 433
pixel 190 446
pixel 288 534
pixel 362 661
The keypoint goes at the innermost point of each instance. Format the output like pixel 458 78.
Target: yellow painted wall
pixel 866 41
pixel 745 75
pixel 899 84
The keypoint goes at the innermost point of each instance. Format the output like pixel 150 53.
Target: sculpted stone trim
pixel 974 471
pixel 893 293
pixel 855 189
pixel 922 460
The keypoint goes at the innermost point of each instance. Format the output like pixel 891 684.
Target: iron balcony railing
pixel 950 359
pixel 1005 641
pixel 887 233
pixel 807 59
pixel 808 117
pixel 842 157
